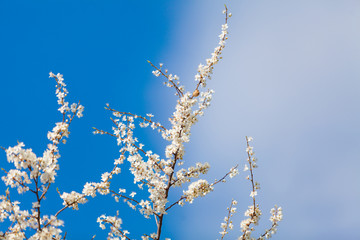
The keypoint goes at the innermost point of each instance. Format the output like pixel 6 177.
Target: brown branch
pixel 252 184
pixel 136 116
pixel 221 179
pixel 179 92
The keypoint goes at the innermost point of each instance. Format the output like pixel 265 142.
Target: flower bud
pixel 196 93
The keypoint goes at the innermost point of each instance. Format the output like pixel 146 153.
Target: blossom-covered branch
pixel 159 174
pixel 227 224
pixel 35 175
pixel 253 212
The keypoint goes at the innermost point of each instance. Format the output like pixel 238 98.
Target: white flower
pixel 233 172
pixel 246 167
pixel 156 73
pixel 253 193
pixel 51 75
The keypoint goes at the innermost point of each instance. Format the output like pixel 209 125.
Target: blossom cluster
pixel 115 226
pixel 197 189
pixel 34 175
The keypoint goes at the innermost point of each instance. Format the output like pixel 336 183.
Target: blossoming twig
pixel 228 223
pixel 254 211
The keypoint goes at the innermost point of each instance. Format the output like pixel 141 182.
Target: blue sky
pixel 289 78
